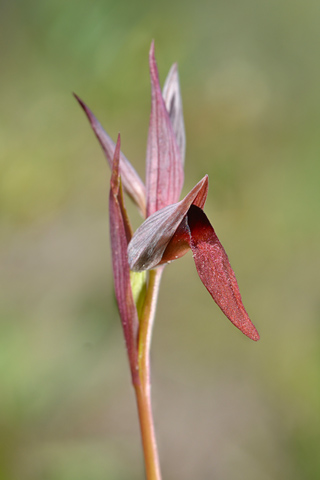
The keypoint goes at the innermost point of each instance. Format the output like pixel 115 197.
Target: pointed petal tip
pixel 117 149
pixel 249 330
pixel 86 110
pixel 152 62
pixel 255 336
pixel 82 104
pixel 173 74
pixel 204 182
pixel 200 199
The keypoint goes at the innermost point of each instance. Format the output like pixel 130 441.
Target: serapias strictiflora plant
pixel 171 228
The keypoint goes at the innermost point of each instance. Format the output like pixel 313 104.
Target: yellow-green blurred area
pixel 226 408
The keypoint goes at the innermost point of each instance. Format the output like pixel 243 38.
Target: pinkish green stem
pixel 143 388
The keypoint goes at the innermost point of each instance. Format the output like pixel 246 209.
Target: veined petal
pixel 215 271
pixel 150 240
pixel 132 183
pixel 120 234
pixel 164 176
pixel 172 98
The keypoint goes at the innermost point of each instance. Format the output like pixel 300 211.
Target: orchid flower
pixel 171 228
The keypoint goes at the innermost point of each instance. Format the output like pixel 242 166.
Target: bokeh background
pixel 226 408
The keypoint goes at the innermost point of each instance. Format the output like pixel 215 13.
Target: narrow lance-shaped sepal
pixel 164 175
pixel 131 181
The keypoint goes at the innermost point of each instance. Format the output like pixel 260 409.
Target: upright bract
pixel 120 235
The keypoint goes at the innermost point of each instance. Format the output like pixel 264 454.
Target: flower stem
pixel 143 387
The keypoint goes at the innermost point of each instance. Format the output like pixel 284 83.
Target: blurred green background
pixel 226 408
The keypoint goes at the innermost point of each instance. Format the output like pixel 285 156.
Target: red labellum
pixel 215 271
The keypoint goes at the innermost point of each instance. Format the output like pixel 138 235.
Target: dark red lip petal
pixel 215 271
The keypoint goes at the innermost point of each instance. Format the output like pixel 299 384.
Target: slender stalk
pixel 143 388
pixel 146 323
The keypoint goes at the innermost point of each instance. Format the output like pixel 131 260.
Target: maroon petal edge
pixel 132 183
pixel 120 233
